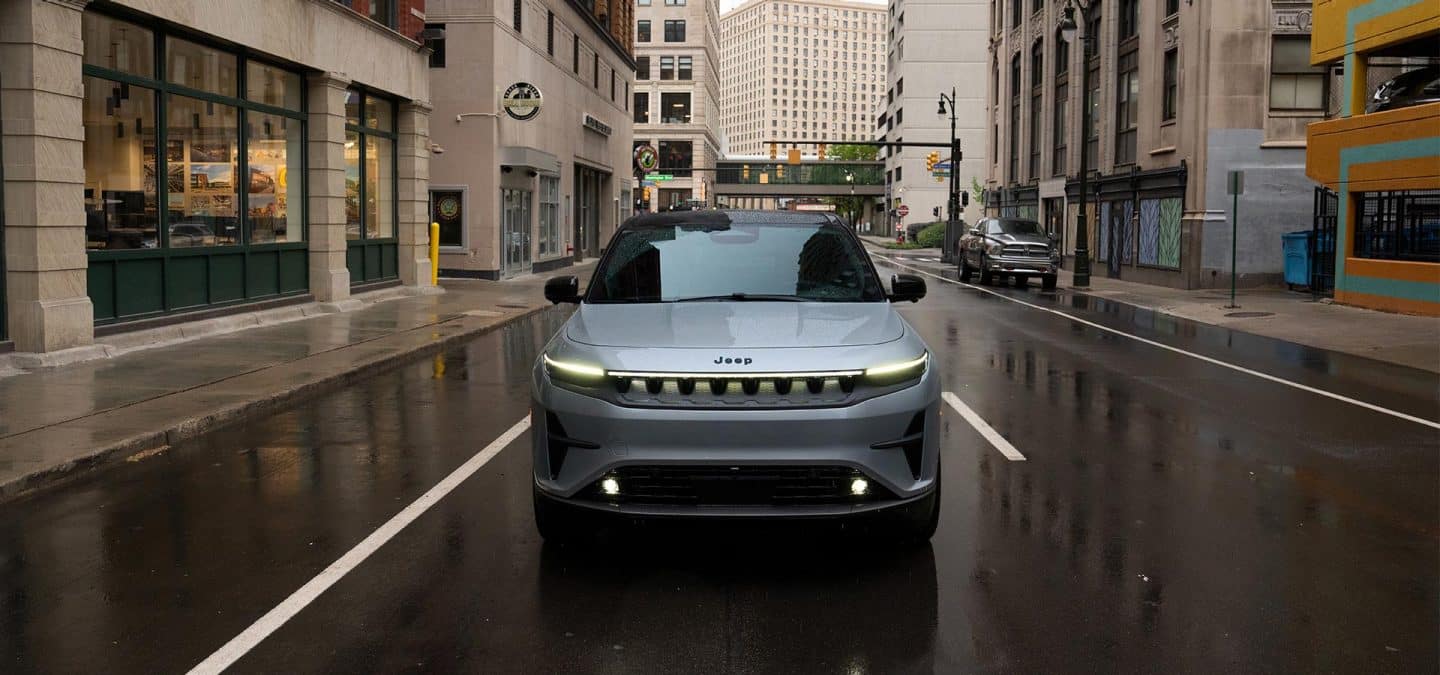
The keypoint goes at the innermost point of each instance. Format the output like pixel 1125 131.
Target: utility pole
pixel 1068 30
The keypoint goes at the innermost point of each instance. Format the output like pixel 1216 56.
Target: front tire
pixel 965 273
pixel 986 278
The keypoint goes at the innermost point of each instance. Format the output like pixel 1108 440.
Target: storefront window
pixel 272 86
pixel 121 192
pixel 274 148
pixel 200 67
pixel 203 212
pixel 447 207
pixel 118 46
pixel 549 215
pixel 370 168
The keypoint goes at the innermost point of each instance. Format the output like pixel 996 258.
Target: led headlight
pixel 898 371
pixel 572 371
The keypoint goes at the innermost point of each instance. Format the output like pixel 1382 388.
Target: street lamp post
pixel 952 217
pixel 1068 31
pixel 850 178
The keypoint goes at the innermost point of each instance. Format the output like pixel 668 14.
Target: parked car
pixel 1416 87
pixel 1006 248
pixel 735 364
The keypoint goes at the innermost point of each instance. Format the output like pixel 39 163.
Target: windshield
pixel 737 262
pixel 1017 228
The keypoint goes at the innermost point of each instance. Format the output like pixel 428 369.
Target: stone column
pixel 329 277
pixel 414 193
pixel 44 137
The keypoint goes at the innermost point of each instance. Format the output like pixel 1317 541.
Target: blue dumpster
pixel 1297 258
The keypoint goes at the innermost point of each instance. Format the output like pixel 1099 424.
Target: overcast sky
pixel 727 5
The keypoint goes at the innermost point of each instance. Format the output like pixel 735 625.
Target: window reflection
pixel 117 45
pixel 352 185
pixel 272 86
pixel 121 210
pixel 203 211
pixel 200 67
pixel 274 144
pixel 379 187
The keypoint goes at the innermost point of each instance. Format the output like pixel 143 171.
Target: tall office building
pixel 801 71
pixel 677 95
pixel 932 47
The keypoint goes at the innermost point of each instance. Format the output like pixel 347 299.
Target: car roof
pixel 729 217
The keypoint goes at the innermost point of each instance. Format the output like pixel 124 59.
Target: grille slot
pixel 739 486
pixel 1026 251
pixel 738 391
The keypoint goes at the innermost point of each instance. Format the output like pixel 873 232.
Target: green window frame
pixel 137 283
pixel 373 258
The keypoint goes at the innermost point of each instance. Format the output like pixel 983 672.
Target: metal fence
pixel 1398 225
pixel 1322 242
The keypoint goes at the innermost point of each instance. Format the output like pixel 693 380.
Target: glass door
pixel 514 232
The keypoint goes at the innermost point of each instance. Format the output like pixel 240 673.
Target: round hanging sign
pixel 521 101
pixel 646 159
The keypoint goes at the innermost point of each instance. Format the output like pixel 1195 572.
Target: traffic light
pixel 779 170
pixel 774 151
pixel 935 212
pixel 745 172
pixel 647 194
pixel 821 152
pixel 931 160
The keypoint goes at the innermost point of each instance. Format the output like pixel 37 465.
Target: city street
pixel 1129 492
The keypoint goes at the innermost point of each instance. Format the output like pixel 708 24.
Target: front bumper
pixel 608 437
pixel 1021 265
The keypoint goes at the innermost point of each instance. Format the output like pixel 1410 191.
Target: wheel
pixel 552 520
pixel 1047 282
pixel 1021 280
pixel 965 273
pixel 986 278
pixel 923 517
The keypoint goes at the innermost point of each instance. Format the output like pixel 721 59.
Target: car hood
pixel 708 325
pixel 1021 239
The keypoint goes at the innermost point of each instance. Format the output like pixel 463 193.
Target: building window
pixel 518 12
pixel 1014 129
pixel 675 107
pixel 369 167
pixel 1062 101
pixel 575 54
pixel 642 30
pixel 1294 83
pixel 1037 70
pixel 673 3
pixel 684 68
pixel 642 67
pixel 1129 19
pixel 447 207
pixel 383 12
pixel 667 67
pixel 642 107
pixel 1062 55
pixel 612 84
pixel 1127 94
pixel 1017 12
pixel 436 45
pixel 549 215
pixel 676 157
pixel 1172 7
pixel 674 30
pixel 550 32
pixel 1171 96
pixel 595 69
pixel 899 174
pixel 1397 225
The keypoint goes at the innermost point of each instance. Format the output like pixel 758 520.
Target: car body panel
pixel 759 325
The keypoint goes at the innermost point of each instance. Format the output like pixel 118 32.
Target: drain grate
pixel 1249 315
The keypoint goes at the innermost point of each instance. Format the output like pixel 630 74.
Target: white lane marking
pixel 1278 380
pixel 283 612
pixel 985 430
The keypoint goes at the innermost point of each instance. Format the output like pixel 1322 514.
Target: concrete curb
pixel 136 446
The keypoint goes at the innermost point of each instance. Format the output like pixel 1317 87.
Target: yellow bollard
pixel 434 254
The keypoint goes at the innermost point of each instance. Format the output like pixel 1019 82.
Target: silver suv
pixel 735 364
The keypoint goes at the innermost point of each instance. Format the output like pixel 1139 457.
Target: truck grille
pixel 734 392
pixel 1026 251
pixel 738 486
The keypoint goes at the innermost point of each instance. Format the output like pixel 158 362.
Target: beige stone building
pixel 165 160
pixel 1182 93
pixel 804 71
pixel 677 95
pixel 523 184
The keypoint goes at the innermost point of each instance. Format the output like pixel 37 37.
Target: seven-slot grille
pixel 738 486
pixel 737 390
pixel 1026 251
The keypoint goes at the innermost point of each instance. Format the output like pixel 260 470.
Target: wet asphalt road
pixel 1173 516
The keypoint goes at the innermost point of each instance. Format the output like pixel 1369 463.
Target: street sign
pixel 903 211
pixel 1236 184
pixel 646 159
pixel 659 176
pixel 793 157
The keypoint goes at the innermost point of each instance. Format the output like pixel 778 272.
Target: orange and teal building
pixel 1384 166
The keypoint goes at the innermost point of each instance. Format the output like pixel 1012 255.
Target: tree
pixel 978 190
pixel 852 153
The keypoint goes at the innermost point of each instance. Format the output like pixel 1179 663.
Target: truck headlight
pixel 994 248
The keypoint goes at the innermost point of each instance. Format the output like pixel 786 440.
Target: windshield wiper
pixel 744 297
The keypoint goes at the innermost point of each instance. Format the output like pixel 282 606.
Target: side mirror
pixel 975 232
pixel 562 289
pixel 906 287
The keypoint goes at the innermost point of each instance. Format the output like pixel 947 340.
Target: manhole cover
pixel 1249 315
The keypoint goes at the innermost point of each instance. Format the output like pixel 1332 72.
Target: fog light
pixel 610 486
pixel 859 487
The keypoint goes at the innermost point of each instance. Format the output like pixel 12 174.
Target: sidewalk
pixel 1412 341
pixel 57 421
